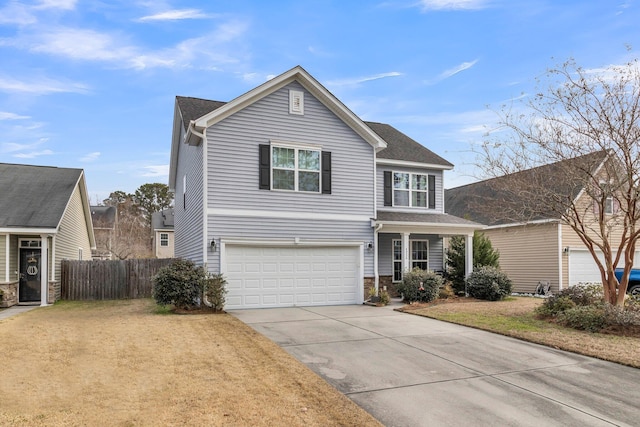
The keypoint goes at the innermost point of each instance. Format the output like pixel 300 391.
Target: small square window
pixel 164 239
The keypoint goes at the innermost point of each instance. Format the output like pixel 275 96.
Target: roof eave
pixel 405 163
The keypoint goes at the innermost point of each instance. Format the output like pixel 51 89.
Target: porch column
pixel 7 251
pixel 468 259
pixel 405 252
pixel 44 269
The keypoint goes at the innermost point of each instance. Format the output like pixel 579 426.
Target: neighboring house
pixel 104 219
pixel 163 239
pixel 297 201
pixel 44 218
pixel 543 248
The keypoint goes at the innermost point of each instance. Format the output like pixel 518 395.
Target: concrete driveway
pixel 408 370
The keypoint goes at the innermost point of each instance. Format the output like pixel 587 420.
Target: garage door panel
pixel 583 268
pixel 287 276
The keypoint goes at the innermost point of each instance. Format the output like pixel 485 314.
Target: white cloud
pixel 90 157
pixel 12 116
pixel 156 170
pixel 12 147
pixel 33 154
pixel 176 15
pixel 428 5
pixel 218 47
pixel 452 71
pixel 40 86
pixel 56 4
pixel 358 80
pixel 457 69
pixel 17 14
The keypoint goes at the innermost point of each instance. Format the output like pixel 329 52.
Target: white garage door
pixel 291 276
pixel 583 269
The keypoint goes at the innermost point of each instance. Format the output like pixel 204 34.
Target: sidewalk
pixel 16 309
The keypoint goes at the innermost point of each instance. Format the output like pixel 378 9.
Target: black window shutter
pixel 432 191
pixel 326 172
pixel 265 167
pixel 388 191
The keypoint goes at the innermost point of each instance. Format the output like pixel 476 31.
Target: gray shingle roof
pixel 507 199
pixel 34 196
pixel 399 145
pixel 162 220
pixel 194 108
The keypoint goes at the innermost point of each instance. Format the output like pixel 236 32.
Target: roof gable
pixel 310 84
pixel 495 201
pixel 35 196
pixel 400 147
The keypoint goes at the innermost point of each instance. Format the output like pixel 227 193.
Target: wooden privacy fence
pixel 107 280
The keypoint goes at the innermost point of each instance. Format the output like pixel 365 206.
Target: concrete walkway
pixel 408 370
pixel 5 313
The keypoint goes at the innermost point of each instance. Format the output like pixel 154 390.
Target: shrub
pixel 180 283
pixel 446 292
pixel 483 254
pixel 420 285
pixel 584 317
pixel 488 283
pixel 555 305
pixel 584 293
pixel 627 316
pixel 215 291
pixel 384 297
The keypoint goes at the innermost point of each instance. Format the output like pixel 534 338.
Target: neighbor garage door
pixel 583 269
pixel 291 276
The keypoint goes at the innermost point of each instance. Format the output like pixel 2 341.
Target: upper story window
pixel 164 239
pixel 608 206
pixel 294 167
pixel 406 189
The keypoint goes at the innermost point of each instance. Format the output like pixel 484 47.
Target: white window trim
pixel 409 190
pixel 164 238
pixel 296 169
pixel 608 202
pixel 411 260
pixel 394 260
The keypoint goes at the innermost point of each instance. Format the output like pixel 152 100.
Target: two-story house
pixel 297 201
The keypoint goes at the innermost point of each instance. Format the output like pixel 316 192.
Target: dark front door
pixel 29 275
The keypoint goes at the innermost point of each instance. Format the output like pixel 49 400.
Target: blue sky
pixel 91 84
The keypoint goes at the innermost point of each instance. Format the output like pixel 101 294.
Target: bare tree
pixel 587 124
pixel 131 234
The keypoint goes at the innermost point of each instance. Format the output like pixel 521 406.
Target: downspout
pixel 375 257
pixel 205 200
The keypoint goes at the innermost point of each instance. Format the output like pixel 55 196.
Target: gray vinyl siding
pixel 380 188
pixel 385 251
pixel 13 257
pixel 73 234
pixel 188 221
pixel 233 158
pixel 3 257
pixel 226 227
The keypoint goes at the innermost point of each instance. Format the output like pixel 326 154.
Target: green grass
pixel 495 323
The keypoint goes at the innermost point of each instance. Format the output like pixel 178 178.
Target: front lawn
pixel 514 317
pixel 126 363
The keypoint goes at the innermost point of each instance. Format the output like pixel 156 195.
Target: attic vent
pixel 296 102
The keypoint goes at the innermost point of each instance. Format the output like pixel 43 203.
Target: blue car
pixel 634 281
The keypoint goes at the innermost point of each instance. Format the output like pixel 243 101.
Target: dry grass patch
pixel 514 317
pixel 124 364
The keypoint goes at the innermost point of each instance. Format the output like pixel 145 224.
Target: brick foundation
pixel 9 294
pixel 370 282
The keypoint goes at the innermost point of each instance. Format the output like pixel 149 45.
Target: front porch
pixel 404 241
